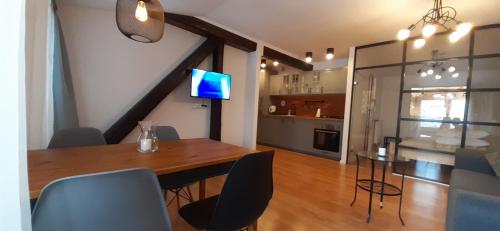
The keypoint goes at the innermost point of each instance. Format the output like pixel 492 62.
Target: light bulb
pixel 423 74
pixel 455 75
pixel 263 63
pixel 276 63
pixel 141 13
pixel 428 30
pixel 454 37
pixel 419 43
pixel 430 72
pixel 309 56
pixel 329 53
pixel 403 34
pixel 464 28
pixel 438 77
pixel 451 69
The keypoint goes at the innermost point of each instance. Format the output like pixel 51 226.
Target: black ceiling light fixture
pixel 438 17
pixel 309 57
pixel 437 68
pixel 330 53
pixel 263 64
pixel 142 21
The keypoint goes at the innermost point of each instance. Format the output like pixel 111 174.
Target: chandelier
pixel 439 17
pixel 437 68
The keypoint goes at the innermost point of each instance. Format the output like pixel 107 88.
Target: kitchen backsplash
pixel 332 105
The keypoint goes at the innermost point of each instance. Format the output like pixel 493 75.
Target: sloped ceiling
pixel 314 25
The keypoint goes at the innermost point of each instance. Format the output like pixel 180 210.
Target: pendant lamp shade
pixel 142 21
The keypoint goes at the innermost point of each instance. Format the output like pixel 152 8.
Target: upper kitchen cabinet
pixel 330 81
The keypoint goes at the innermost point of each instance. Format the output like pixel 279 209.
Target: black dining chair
pixel 244 197
pixel 77 137
pixel 179 186
pixel 127 200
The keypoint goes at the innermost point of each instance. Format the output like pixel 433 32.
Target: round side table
pixel 379 186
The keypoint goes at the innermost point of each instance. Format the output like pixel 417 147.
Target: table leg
pixel 401 195
pixel 201 191
pixel 371 192
pixel 253 226
pixel 356 183
pixel 383 183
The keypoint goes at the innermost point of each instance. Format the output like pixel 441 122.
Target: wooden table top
pixel 48 165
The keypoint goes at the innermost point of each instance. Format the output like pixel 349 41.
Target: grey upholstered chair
pixel 121 200
pixel 180 185
pixel 77 137
pixel 166 133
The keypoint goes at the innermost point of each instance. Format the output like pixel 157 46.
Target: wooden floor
pixel 312 193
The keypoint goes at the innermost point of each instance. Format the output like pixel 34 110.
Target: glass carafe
pixel 147 141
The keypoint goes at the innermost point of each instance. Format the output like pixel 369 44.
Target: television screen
pixel 212 85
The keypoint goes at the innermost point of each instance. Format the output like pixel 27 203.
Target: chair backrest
pixel 77 137
pixel 120 200
pixel 246 192
pixel 166 133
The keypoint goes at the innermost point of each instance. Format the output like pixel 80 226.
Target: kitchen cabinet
pixel 331 81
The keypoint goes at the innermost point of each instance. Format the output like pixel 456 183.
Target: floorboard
pixel 313 193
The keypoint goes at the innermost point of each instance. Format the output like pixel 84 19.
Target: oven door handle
pixel 330 132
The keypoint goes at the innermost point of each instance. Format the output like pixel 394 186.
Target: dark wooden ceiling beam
pixel 119 130
pixel 286 59
pixel 203 28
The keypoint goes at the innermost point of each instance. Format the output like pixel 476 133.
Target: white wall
pixel 14 199
pixel 347 111
pixel 111 72
pixel 233 111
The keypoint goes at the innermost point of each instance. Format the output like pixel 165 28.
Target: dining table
pixel 204 158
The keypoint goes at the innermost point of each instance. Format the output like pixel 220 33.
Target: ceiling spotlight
pixel 430 72
pixel 423 74
pixel 455 36
pixel 309 57
pixel 455 75
pixel 263 63
pixel 419 43
pixel 428 30
pixel 403 34
pixel 438 77
pixel 451 69
pixel 329 53
pixel 464 28
pixel 276 63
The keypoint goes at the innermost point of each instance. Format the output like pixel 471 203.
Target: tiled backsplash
pixel 332 105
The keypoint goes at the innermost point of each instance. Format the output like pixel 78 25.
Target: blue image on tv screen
pixel 206 84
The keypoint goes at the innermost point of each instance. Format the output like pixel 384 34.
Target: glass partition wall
pixel 431 100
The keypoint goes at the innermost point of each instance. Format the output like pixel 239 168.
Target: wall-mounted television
pixel 211 85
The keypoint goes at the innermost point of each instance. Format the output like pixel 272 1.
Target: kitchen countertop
pixel 303 117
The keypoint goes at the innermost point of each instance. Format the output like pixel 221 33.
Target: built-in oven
pixel 327 140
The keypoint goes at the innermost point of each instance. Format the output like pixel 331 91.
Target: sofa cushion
pixel 475 182
pixel 494 161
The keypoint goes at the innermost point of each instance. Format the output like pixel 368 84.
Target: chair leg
pixel 177 197
pixel 190 194
pixel 178 194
